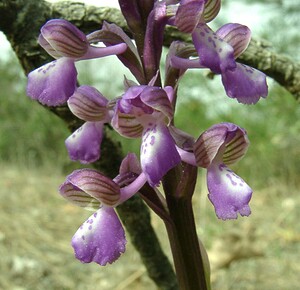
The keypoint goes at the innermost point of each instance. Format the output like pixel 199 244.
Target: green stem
pixel 189 263
pixel 189 255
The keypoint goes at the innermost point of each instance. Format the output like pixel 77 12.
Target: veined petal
pixel 157 98
pixel 228 192
pixel 96 185
pixel 127 125
pixel 65 38
pixel 53 83
pixel 211 10
pixel 101 239
pixel 236 145
pixel 224 142
pixel 245 84
pixel 78 197
pixel 46 45
pixel 208 145
pixel 158 152
pixel 188 15
pixel 213 51
pixel 88 104
pixel 237 35
pixel 84 143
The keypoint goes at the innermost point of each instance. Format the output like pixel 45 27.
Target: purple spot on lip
pixel 152 140
pixel 95 214
pixel 231 180
pixel 90 227
pixel 83 237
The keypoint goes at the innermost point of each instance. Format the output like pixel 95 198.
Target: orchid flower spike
pixel 53 83
pixel 222 144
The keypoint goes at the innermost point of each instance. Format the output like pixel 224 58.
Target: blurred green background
pixel 260 252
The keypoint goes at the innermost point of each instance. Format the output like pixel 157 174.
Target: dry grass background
pixel 260 252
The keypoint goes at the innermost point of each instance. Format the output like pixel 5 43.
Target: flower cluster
pixel 146 111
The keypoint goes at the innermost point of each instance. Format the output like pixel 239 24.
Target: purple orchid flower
pixel 53 83
pixel 218 51
pixel 101 238
pixel 222 144
pixel 89 105
pixel 146 111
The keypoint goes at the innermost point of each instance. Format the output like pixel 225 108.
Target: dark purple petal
pixel 84 144
pixel 53 83
pixel 88 104
pixel 188 15
pixel 245 83
pixel 228 192
pixel 236 35
pixel 101 239
pixel 65 38
pixel 214 52
pixel 158 152
pixel 156 23
pixel 96 185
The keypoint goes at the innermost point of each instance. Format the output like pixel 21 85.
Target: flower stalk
pixel 190 262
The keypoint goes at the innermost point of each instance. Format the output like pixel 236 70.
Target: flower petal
pixel 213 51
pixel 96 185
pixel 65 38
pixel 158 152
pixel 84 143
pixel 224 142
pixel 130 164
pixel 78 197
pixel 211 10
pixel 157 98
pixel 245 83
pixel 228 192
pixel 237 35
pixel 100 239
pixel 208 145
pixel 88 104
pixel 188 15
pixel 53 83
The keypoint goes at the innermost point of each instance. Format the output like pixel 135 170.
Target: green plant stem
pixel 189 263
pixel 190 259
